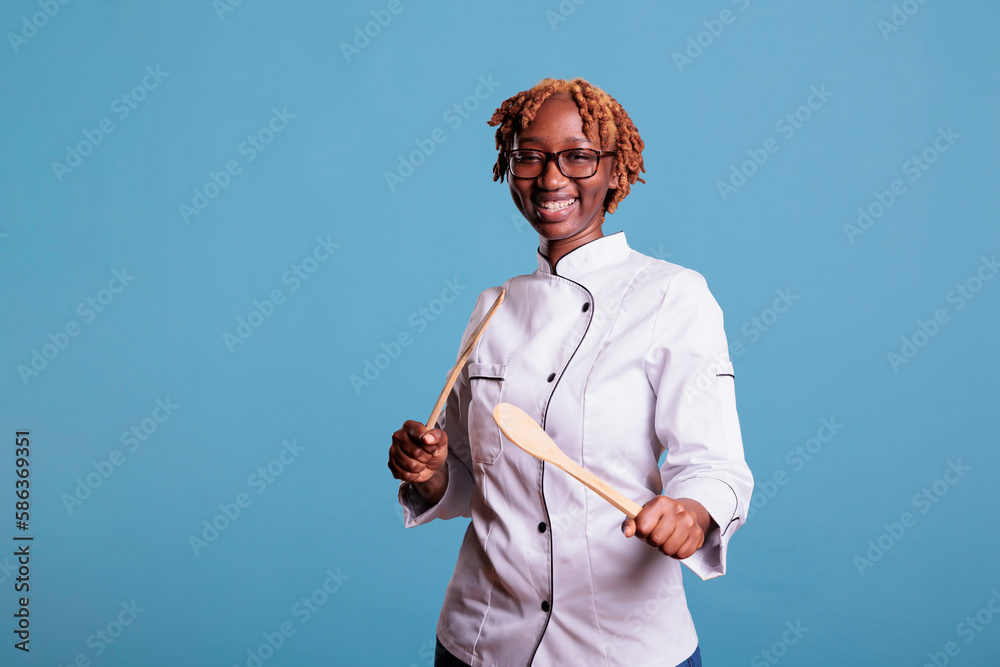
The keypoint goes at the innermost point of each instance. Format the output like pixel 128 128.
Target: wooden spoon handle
pixel 625 504
pixel 457 368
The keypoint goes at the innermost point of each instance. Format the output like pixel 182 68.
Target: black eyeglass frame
pixel 556 157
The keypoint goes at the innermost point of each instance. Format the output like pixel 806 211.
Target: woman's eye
pixel 527 159
pixel 580 156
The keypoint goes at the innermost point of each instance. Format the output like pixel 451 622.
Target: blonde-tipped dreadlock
pixel 604 122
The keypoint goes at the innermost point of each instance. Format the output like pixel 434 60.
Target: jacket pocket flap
pixel 487 371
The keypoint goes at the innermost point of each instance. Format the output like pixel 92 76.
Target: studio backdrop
pixel 240 241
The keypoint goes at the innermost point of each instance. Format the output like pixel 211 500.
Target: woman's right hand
pixel 418 454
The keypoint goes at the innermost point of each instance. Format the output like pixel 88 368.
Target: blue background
pixel 323 176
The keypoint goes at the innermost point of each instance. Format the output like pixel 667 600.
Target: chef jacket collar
pixel 575 261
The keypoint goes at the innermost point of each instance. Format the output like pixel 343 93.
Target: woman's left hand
pixel 675 527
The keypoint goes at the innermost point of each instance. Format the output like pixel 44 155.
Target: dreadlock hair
pixel 604 122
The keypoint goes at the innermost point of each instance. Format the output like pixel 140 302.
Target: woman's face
pixel 561 208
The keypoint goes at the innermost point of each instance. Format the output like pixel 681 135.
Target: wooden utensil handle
pixel 457 368
pixel 625 504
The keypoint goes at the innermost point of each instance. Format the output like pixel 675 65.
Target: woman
pixel 619 357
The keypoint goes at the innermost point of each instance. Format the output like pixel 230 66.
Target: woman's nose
pixel 551 178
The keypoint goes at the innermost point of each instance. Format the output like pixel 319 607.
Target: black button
pixel 541 527
pixel 552 376
pixel 586 306
pixel 545 605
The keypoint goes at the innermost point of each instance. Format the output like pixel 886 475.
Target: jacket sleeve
pixel 457 498
pixel 689 369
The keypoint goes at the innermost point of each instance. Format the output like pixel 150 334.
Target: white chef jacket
pixel 619 357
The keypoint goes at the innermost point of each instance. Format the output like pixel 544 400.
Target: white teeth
pixel 556 205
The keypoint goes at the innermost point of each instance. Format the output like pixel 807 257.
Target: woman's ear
pixel 613 175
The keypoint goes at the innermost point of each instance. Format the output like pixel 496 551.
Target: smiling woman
pixel 603 347
pixel 565 198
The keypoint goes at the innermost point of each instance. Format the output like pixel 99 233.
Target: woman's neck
pixel 555 249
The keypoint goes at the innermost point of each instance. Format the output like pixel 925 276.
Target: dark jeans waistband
pixel 442 658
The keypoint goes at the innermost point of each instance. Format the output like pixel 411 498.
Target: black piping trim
pixel 723 531
pixel 545 413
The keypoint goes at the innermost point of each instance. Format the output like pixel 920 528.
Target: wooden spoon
pixel 462 358
pixel 525 432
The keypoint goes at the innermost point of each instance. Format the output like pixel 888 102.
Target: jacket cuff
pixel 719 500
pixel 456 500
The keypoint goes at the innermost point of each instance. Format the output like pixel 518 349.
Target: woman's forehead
pixel 558 118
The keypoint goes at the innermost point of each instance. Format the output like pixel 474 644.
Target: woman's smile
pixel 566 212
pixel 554 208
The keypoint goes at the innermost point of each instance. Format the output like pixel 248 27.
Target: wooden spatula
pixel 525 432
pixel 457 368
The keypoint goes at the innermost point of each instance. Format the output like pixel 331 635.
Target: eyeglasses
pixel 572 163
